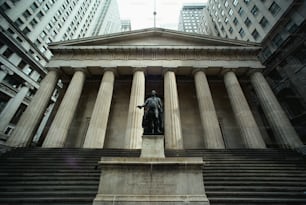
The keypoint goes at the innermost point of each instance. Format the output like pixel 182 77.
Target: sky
pixel 140 12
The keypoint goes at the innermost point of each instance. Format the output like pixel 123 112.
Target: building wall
pixel 27 27
pixel 244 19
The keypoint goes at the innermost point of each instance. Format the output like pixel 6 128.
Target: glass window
pixel 226 21
pixel 291 26
pixel 40 15
pixel 22 64
pixel 254 10
pixel 263 22
pixel 247 22
pixel 226 4
pixel 274 8
pixel 278 40
pixel 235 2
pixel 230 30
pixel 26 30
pixel 8 52
pixel 266 52
pixel 34 7
pixel 241 32
pixel 26 14
pixel 34 22
pixel 230 12
pixel 46 8
pixel 235 21
pixel 43 34
pixel 246 1
pixel 240 11
pixel 27 70
pixel 18 22
pixel 255 34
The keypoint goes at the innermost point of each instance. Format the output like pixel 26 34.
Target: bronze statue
pixel 152 120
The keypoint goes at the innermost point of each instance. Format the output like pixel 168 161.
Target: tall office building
pixel 243 19
pixel 26 29
pixel 190 17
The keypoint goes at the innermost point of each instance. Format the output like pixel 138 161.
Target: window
pixel 241 32
pixel 235 21
pixel 226 21
pixel 230 30
pixel 43 34
pixel 240 11
pixel 230 12
pixel 40 15
pixel 33 23
pixel 263 22
pixel 274 9
pixel 26 14
pixel 246 1
pixel 278 40
pixel 247 22
pixel 27 70
pixel 235 2
pixel 46 8
pixel 49 27
pixel 266 52
pixel 255 34
pixel 5 6
pixel 22 64
pixel 43 49
pixel 254 10
pixel 291 26
pixel 18 22
pixel 34 7
pixel 226 4
pixel 26 30
pixel 8 52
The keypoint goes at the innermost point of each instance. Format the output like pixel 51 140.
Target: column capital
pixel 170 69
pixel 252 71
pixel 112 69
pixel 143 69
pixel 226 70
pixel 203 69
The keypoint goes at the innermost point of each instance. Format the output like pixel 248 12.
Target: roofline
pixel 155 30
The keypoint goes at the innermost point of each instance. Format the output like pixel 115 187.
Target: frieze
pixel 155 54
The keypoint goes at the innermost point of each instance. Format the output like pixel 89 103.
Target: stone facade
pixel 169 62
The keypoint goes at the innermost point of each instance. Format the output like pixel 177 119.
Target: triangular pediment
pixel 153 37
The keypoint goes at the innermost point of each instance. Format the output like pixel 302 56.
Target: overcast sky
pixel 140 12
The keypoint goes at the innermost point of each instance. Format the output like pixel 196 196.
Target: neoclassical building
pixel 214 93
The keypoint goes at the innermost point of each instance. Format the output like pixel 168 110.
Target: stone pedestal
pixel 151 179
pixel 152 146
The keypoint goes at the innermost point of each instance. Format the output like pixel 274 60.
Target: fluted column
pixel 98 123
pixel 59 129
pixel 134 128
pixel 173 129
pixel 212 132
pixel 25 128
pixel 11 108
pixel 244 117
pixel 279 122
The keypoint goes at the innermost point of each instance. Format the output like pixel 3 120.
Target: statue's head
pixel 153 92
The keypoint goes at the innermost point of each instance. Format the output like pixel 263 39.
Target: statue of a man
pixel 152 119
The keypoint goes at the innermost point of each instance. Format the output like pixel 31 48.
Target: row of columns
pixel 95 136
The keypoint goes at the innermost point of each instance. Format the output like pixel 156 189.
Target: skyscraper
pixel 190 17
pixel 244 19
pixel 26 29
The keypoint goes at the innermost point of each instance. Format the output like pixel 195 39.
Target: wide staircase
pixel 71 176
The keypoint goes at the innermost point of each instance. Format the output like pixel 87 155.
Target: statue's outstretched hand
pixel 139 106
